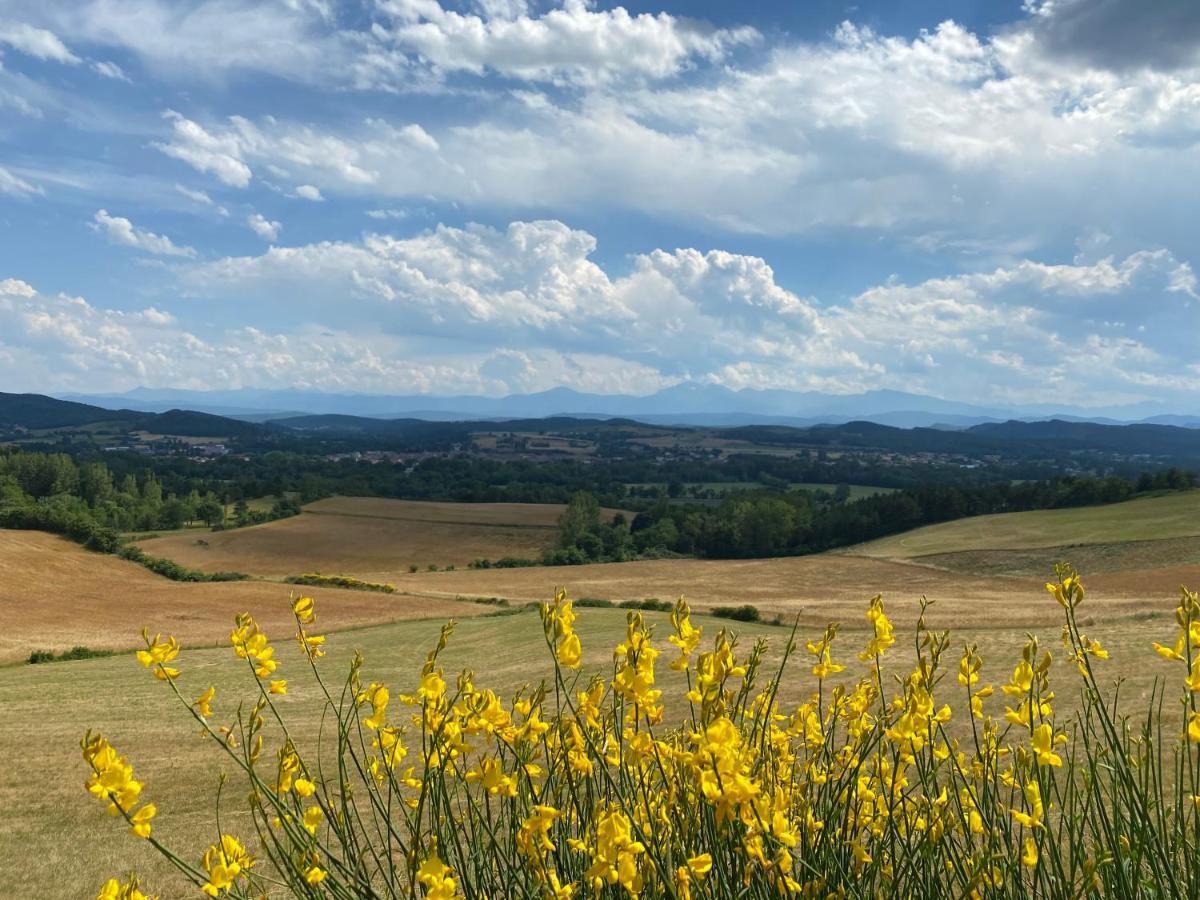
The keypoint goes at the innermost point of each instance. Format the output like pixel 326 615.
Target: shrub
pixel 514 562
pixel 413 567
pixel 438 788
pixel 651 604
pixel 744 613
pixel 597 602
pixel 316 579
pixel 77 652
pixel 168 568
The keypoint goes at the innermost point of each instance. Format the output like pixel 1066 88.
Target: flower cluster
pixel 913 777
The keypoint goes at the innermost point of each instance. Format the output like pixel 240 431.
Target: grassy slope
pixel 68 846
pixel 374 539
pixel 1145 519
pixel 54 595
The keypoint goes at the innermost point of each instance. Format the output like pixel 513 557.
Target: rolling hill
pixel 369 538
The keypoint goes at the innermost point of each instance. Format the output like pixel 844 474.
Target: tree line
pixel 762 523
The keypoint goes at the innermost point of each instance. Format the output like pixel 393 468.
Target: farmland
pixel 48 808
pixel 55 595
pixel 373 539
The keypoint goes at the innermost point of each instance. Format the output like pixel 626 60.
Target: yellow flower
pixel 1033 800
pixel 1193 679
pixel 700 865
pixel 570 652
pixel 304 611
pixel 114 890
pixel 140 820
pixel 304 787
pixel 278 686
pixel 203 703
pixel 686 638
pixel 1193 728
pixel 157 654
pixel 225 862
pixel 437 878
pixel 1043 745
pixel 312 819
pixel 1022 680
pixel 1030 856
pixel 882 638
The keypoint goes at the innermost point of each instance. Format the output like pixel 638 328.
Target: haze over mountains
pixel 687 403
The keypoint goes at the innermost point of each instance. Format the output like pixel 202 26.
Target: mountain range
pixel 684 404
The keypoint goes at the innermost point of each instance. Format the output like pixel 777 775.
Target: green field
pixel 1166 517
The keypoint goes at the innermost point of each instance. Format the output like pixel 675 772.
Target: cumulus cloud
pixel 121 231
pixel 983 138
pixel 264 227
pixel 205 152
pixel 36 42
pixel 1030 331
pixel 58 342
pixel 309 192
pixel 571 43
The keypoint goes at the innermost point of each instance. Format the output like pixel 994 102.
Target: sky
pixel 992 202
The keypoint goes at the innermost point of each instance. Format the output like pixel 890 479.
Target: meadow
pixel 54 595
pixel 370 538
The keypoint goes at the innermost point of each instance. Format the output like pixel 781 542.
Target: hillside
pixel 54 594
pixel 1171 516
pixel 37 412
pixel 373 539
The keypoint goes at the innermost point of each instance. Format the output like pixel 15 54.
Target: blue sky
pixel 985 201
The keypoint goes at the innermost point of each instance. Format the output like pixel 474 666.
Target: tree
pixel 582 516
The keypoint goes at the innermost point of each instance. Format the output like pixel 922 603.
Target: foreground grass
pixel 67 846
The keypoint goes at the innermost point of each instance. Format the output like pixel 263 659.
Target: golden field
pixel 54 595
pixel 369 538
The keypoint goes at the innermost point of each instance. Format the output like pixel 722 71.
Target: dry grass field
pixel 55 595
pixel 373 539
pixel 47 707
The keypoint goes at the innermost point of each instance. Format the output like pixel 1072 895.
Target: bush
pixel 597 602
pixel 168 568
pixel 77 652
pixel 921 786
pixel 744 613
pixel 651 604
pixel 514 562
pixel 73 525
pixel 316 579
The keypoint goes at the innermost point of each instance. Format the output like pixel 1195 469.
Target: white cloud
pixel 109 70
pixel 385 214
pixel 570 44
pixel 264 227
pixel 57 342
pixel 19 187
pixel 309 192
pixel 949 133
pixel 36 42
pixel 1081 332
pixel 202 198
pixel 205 152
pixel 121 231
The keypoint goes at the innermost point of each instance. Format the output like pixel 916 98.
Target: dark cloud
pixel 1122 34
